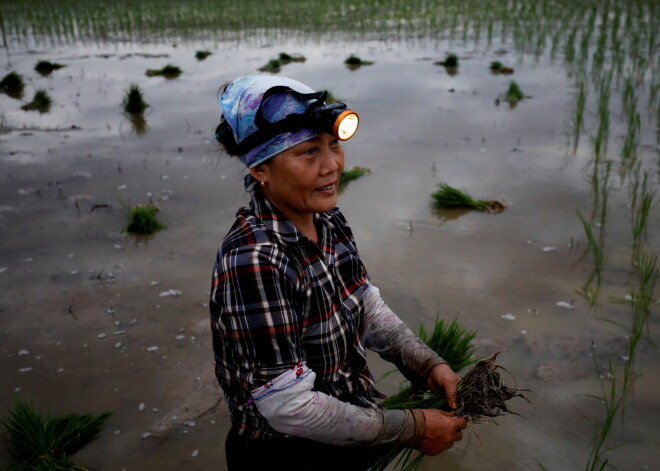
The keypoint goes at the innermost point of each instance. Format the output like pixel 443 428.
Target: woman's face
pixel 303 180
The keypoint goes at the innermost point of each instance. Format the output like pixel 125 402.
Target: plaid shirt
pixel 279 299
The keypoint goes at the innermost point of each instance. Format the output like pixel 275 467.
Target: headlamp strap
pixel 292 123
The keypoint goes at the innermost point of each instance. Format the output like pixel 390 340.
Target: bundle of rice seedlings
pixel 45 67
pixel 40 102
pixel 273 66
pixel 351 174
pixel 47 443
pixel 169 71
pixel 12 84
pixel 482 395
pixel 133 102
pixel 201 55
pixel 514 93
pixel 497 67
pixel 285 58
pixel 450 61
pixel 142 220
pixel 354 62
pixel 450 197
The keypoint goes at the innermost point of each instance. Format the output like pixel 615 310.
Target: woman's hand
pixel 443 379
pixel 441 430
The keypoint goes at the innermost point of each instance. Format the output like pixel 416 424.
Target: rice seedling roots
pixel 483 394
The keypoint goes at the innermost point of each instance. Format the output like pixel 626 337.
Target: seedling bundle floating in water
pixel 47 443
pixel 169 72
pixel 40 102
pixel 12 84
pixel 353 62
pixel 351 174
pixel 274 65
pixel 45 67
pixel 142 220
pixel 449 197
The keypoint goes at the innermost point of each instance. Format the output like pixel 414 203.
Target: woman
pixel 293 308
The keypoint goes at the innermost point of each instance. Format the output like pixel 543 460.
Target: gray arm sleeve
pixel 292 407
pixel 387 335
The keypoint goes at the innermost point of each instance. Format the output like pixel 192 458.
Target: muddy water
pixel 95 320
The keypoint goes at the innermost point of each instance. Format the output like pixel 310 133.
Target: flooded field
pixel 93 319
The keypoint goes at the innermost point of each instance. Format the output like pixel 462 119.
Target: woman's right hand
pixel 441 430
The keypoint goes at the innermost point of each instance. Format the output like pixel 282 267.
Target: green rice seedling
pixel 450 197
pixel 12 84
pixel 142 220
pixel 133 102
pixel 450 61
pixel 45 67
pixel 201 55
pixel 498 68
pixel 273 66
pixel 353 62
pixel 41 102
pixel 641 208
pixel 630 141
pixel 285 58
pixel 169 72
pixel 591 287
pixel 350 175
pixel 578 118
pixel 47 443
pixel 514 93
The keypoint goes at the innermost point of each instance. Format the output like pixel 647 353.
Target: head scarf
pixel 240 103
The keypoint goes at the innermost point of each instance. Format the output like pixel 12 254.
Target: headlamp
pixel 333 118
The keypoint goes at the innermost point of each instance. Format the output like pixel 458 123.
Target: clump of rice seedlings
pixel 354 62
pixel 450 197
pixel 591 286
pixel 47 443
pixel 40 102
pixel 142 220
pixel 450 61
pixel 12 84
pixel 273 66
pixel 514 94
pixel 482 396
pixel 133 101
pixel 45 67
pixel 351 174
pixel 169 71
pixel 285 58
pixel 498 68
pixel 201 55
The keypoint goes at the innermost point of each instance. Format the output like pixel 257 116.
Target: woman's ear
pixel 259 174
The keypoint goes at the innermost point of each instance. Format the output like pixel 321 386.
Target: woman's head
pixel 265 115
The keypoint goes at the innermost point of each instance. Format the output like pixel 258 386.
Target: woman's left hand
pixel 443 379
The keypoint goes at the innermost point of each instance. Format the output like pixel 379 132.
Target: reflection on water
pixel 110 322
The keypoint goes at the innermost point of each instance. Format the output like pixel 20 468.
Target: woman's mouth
pixel 327 189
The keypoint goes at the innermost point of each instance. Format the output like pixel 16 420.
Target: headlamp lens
pixel 345 125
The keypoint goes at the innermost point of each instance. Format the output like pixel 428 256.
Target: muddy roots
pixel 483 394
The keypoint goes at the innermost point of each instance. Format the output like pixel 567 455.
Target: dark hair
pixel 225 136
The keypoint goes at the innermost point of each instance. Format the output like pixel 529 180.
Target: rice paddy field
pixel 94 319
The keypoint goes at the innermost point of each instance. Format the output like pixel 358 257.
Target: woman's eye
pixel 311 151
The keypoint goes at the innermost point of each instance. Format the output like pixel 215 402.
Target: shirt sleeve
pixel 292 406
pixel 254 295
pixel 387 335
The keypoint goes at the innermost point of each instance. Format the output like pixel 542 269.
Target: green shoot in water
pixel 351 174
pixel 12 84
pixel 40 102
pixel 133 101
pixel 46 443
pixel 169 72
pixel 142 220
pixel 45 67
